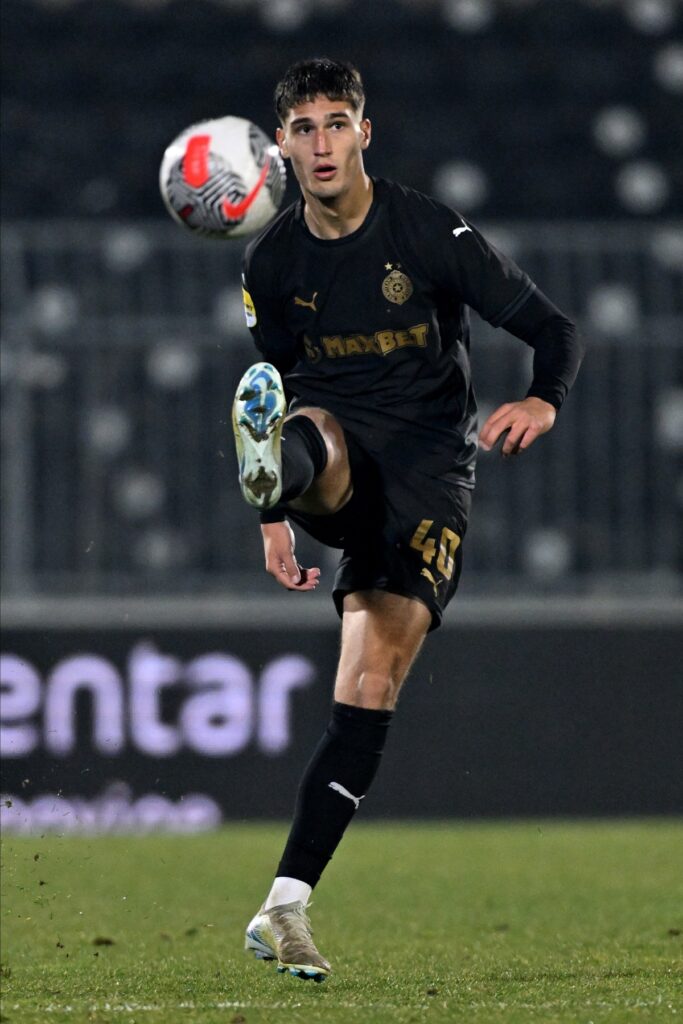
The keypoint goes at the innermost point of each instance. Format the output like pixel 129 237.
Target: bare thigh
pixel 333 487
pixel 381 636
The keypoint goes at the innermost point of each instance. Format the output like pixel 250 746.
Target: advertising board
pixel 119 729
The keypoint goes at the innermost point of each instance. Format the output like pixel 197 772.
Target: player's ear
pixel 282 142
pixel 366 133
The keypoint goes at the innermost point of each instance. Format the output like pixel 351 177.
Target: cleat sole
pixel 305 973
pixel 258 414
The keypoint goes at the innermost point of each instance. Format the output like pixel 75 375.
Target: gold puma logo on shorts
pixel 435 583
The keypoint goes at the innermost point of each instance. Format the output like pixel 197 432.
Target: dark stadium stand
pixel 515 90
pixel 556 125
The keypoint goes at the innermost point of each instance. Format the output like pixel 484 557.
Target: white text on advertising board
pixel 222 706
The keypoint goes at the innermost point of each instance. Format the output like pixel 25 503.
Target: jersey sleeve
pixel 505 296
pixel 483 278
pixel 263 313
pixel 558 347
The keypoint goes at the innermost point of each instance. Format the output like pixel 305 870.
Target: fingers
pixel 528 438
pixel 281 563
pixel 518 424
pixel 309 579
pixel 290 575
pixel 516 437
pixel 497 423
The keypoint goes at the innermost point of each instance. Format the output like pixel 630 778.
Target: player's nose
pixel 322 143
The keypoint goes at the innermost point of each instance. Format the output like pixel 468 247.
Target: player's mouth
pixel 323 172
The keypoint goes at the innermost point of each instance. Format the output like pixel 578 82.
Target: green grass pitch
pixel 475 922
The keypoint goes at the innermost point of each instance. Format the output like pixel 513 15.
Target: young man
pixel 358 294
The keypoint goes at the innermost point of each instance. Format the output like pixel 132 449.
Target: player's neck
pixel 339 216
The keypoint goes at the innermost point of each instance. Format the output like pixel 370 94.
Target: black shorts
pixel 400 531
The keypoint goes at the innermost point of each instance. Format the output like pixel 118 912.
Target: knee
pixel 376 690
pixel 331 490
pixel 332 434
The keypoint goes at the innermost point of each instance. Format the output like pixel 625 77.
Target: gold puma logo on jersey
pixel 310 305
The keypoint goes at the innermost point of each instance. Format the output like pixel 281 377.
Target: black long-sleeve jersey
pixel 374 326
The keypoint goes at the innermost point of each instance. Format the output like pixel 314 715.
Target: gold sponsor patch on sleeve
pixel 249 308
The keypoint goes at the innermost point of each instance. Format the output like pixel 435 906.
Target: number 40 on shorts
pixel 448 545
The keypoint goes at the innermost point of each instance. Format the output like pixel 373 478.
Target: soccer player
pixel 358 295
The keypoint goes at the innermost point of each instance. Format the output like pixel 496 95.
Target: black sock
pixel 304 456
pixel 337 777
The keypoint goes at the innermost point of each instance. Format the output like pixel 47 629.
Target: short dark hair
pixel 306 79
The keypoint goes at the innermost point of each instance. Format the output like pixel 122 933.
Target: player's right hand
pixel 278 547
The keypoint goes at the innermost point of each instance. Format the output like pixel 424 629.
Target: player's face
pixel 325 140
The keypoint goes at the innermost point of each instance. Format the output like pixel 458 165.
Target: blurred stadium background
pixel 148 656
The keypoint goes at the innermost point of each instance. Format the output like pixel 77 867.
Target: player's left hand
pixel 522 421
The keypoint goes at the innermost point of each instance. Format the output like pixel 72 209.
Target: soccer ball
pixel 222 178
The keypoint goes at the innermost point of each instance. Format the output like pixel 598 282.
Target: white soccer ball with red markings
pixel 222 178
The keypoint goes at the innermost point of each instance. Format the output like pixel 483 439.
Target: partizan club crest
pixel 396 286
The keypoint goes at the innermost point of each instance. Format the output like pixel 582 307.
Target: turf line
pixel 153 1008
pixel 238 1005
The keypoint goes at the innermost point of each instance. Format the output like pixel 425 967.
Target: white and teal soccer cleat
pixel 258 413
pixel 284 934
